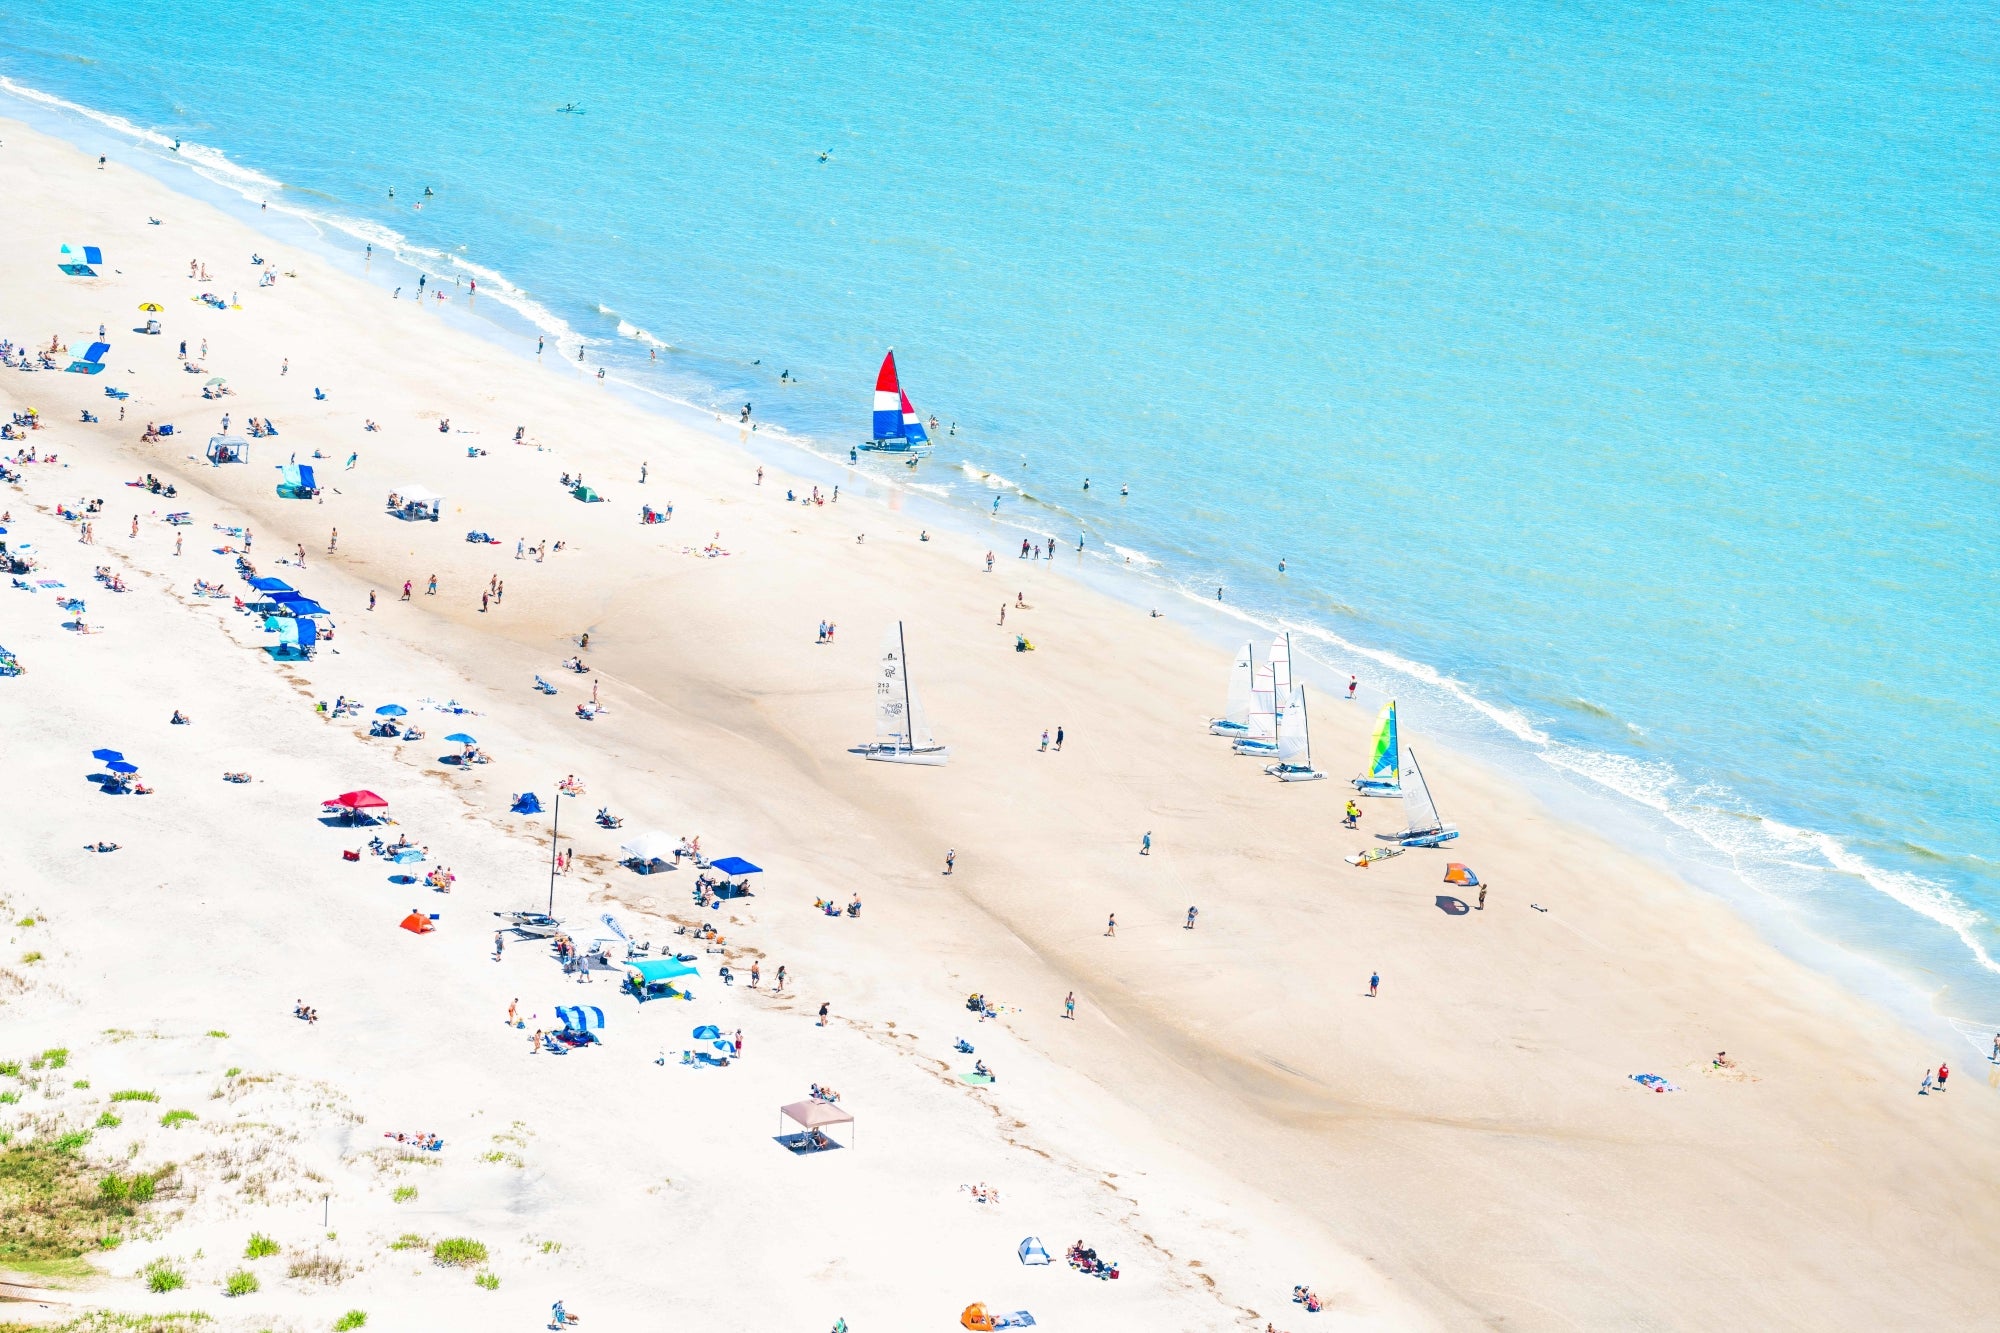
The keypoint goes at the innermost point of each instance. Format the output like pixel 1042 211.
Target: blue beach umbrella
pixel 122 766
pixel 106 754
pixel 391 710
pixel 460 738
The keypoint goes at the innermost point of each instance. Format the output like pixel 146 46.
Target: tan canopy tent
pixel 814 1115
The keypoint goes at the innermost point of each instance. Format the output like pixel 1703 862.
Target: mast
pixel 909 716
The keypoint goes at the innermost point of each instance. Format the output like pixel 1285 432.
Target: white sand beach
pixel 1229 1115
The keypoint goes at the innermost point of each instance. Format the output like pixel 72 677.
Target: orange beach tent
pixel 418 924
pixel 975 1317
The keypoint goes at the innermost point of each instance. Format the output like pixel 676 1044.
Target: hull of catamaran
pixel 1436 837
pixel 1372 787
pixel 1295 772
pixel 1262 749
pixel 933 756
pixel 1222 726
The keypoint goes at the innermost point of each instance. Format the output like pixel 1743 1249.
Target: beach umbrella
pixel 460 738
pixel 151 307
pixel 122 766
pixel 391 710
pixel 215 383
pixel 106 754
pixel 707 1032
pixel 358 800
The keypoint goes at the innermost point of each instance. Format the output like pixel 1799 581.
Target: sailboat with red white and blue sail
pixel 898 429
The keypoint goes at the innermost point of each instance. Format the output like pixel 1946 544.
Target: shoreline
pixel 1377 1128
pixel 1847 943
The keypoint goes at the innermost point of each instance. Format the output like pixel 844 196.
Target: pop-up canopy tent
pixel 80 261
pixel 271 585
pixel 816 1115
pixel 648 850
pixel 417 503
pixel 352 803
pixel 296 481
pixel 228 449
pixel 653 978
pixel 1460 873
pixel 738 871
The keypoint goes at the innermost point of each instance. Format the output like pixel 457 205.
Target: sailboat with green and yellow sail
pixel 1385 759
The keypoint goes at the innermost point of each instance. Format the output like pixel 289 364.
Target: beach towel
pixel 1654 1083
pixel 976 1080
pixel 1372 855
pixel 1018 1319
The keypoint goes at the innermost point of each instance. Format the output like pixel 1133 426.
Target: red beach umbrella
pixel 359 800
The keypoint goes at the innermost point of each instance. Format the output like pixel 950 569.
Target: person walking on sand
pixel 989 562
pixel 406 590
pixel 302 555
pixel 1925 1090
pixel 484 599
pixel 499 947
pixel 371 599
pixel 779 985
pixel 1190 920
pixel 432 590
pixel 333 542
pixel 1059 736
pixel 756 973
pixel 513 1012
pixel 1352 683
pixel 1374 980
pixel 1482 897
pixel 1944 1072
pixel 1111 926
pixel 823 1005
pixel 1069 1005
pixel 1045 746
pixel 535 1043
pixel 1003 605
pixel 177 551
pixel 1353 815
pixel 1146 844
pixel 950 859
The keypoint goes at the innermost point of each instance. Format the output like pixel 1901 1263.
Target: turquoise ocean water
pixel 1619 382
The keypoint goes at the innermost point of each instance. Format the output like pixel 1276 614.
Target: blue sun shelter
pixel 92 361
pixel 80 261
pixel 737 872
pixel 654 978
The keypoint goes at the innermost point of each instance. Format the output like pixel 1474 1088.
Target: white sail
pixel 1281 668
pixel 1241 674
pixel 902 732
pixel 891 689
pixel 1418 808
pixel 1291 729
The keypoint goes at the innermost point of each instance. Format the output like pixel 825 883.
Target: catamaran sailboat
pixel 1385 761
pixel 1271 691
pixel 1420 812
pixel 902 733
pixel 1235 719
pixel 1295 763
pixel 898 429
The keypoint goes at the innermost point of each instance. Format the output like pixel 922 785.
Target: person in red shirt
pixel 1944 1072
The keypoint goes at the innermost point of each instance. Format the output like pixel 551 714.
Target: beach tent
pixel 1460 873
pixel 976 1318
pixel 653 978
pixel 816 1115
pixel 296 481
pixel 227 449
pixel 527 803
pixel 419 924
pixel 587 495
pixel 648 850
pixel 91 361
pixel 296 633
pixel 581 1017
pixel 1032 1252
pixel 302 606
pixel 80 261
pixel 418 503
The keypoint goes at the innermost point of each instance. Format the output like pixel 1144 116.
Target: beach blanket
pixel 976 1080
pixel 1654 1083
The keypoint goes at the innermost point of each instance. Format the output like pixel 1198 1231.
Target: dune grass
pixel 55 1207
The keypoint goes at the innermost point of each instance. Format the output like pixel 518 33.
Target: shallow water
pixel 1618 386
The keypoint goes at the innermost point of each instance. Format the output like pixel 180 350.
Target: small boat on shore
pixel 898 429
pixel 1420 813
pixel 1385 760
pixel 902 732
pixel 1235 720
pixel 1295 762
